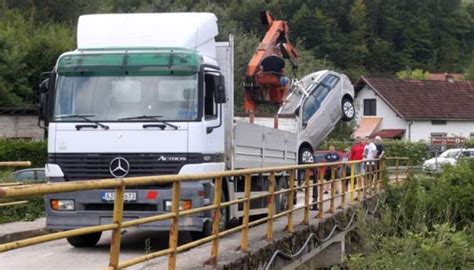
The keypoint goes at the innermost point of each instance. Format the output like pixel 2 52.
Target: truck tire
pixel 207 226
pixel 348 110
pixel 281 200
pixel 86 240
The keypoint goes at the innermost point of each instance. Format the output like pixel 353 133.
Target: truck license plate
pixel 110 196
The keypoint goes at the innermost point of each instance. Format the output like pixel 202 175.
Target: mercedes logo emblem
pixel 119 167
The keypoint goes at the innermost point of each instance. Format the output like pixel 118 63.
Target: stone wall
pixel 20 126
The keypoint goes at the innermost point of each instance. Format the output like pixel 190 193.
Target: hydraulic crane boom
pixel 265 88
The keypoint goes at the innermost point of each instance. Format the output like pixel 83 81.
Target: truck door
pixel 213 115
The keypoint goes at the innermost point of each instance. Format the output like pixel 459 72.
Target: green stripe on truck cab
pixel 144 62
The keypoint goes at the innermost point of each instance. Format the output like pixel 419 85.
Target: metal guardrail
pixel 354 187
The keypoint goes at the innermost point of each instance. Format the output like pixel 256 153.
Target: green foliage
pixel 425 224
pixel 417 74
pixel 26 50
pixel 26 212
pixel 469 72
pixel 23 150
pixel 415 151
pixel 442 248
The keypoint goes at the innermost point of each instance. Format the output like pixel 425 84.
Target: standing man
pixel 370 152
pixel 357 153
pixel 380 148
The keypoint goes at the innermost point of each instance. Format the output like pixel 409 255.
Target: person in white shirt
pixel 370 152
pixel 370 149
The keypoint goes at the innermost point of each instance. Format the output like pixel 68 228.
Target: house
pixel 414 110
pixel 20 124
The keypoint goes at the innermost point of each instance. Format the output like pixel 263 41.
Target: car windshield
pixel 450 153
pixel 112 98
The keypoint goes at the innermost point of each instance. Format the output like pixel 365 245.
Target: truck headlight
pixel 183 205
pixel 63 205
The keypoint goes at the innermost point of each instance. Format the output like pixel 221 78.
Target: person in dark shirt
pixel 331 156
pixel 380 148
pixel 276 65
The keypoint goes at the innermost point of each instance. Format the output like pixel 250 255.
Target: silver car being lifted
pixel 320 100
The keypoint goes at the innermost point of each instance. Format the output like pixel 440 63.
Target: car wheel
pixel 306 156
pixel 348 110
pixel 85 240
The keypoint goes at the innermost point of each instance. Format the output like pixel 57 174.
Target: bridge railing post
pixel 291 197
pixel 343 185
pixel 360 179
pixel 216 220
pixel 174 227
pixel 364 181
pixel 244 239
pixel 117 232
pixel 321 192
pixel 271 206
pixel 306 197
pixel 351 196
pixel 333 189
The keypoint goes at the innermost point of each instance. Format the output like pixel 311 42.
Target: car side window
pixel 330 81
pixel 310 107
pixel 26 175
pixel 40 175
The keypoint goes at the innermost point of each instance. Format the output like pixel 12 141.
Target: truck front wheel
pixel 207 226
pixel 85 240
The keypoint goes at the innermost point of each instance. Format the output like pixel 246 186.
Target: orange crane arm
pixel 275 41
pixel 275 37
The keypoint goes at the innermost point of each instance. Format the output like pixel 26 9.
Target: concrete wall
pixel 390 119
pixel 421 130
pixel 20 126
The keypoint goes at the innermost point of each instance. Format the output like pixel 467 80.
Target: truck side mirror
pixel 46 81
pixel 219 94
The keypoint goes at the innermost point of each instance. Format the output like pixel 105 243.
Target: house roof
pixel 427 99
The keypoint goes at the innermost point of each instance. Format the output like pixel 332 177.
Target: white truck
pixel 150 94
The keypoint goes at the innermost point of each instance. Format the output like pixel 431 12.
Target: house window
pixel 438 134
pixel 438 122
pixel 370 107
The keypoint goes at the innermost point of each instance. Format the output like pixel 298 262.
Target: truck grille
pixel 82 166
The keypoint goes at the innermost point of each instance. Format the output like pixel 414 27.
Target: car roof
pixel 29 169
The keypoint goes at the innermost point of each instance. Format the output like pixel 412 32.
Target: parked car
pixel 450 156
pixel 30 175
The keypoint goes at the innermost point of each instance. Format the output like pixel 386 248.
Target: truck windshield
pixel 114 98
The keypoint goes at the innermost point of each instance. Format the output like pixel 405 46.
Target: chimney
pixel 449 77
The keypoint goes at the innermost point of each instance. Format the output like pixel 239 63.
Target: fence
pixel 355 185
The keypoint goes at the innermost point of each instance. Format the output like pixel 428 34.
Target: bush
pixel 27 212
pixel 425 224
pixel 415 151
pixel 23 150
